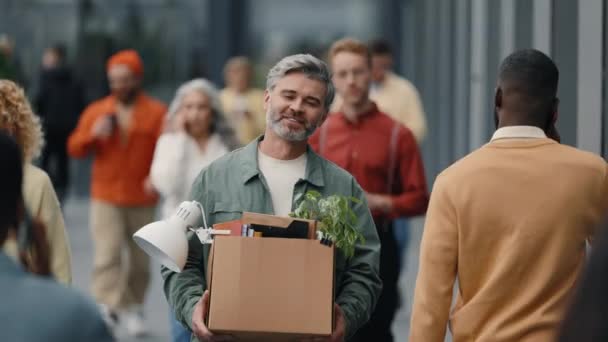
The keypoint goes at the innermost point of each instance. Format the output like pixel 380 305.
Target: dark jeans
pixel 55 160
pixel 401 230
pixel 378 329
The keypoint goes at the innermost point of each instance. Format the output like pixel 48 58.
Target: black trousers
pixel 378 329
pixel 55 161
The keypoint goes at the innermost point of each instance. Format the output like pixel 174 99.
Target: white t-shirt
pixel 281 177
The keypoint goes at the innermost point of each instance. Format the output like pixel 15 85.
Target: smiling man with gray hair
pixel 264 177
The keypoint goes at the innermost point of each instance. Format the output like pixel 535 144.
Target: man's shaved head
pixel 527 86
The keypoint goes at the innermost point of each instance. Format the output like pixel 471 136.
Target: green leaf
pixel 336 218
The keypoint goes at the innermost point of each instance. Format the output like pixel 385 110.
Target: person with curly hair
pixel 61 313
pixel 18 120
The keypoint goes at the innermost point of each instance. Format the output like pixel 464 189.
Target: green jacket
pixel 234 184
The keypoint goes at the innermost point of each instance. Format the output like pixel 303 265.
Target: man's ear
pixel 498 97
pixel 266 99
pixel 551 131
pixel 555 111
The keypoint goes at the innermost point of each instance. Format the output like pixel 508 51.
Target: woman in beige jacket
pixel 17 118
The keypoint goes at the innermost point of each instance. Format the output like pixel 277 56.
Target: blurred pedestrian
pixel 399 98
pixel 60 314
pixel 10 65
pixel 198 134
pixel 243 104
pixel 383 156
pixel 120 131
pixel 18 120
pixel 509 221
pixel 585 320
pixel 394 94
pixel 59 102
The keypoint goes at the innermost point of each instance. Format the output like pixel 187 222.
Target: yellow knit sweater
pixel 508 222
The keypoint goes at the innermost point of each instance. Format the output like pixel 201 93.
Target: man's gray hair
pixel 307 64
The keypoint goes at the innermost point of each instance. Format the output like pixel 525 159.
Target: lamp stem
pixel 202 212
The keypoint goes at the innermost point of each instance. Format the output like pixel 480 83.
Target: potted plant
pixel 336 220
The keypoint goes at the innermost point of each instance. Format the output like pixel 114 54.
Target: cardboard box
pixel 270 289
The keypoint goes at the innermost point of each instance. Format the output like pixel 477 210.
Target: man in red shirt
pixel 383 156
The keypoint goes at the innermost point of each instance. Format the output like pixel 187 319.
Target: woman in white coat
pixel 196 134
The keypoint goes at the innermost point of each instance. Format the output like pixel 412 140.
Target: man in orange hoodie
pixel 120 130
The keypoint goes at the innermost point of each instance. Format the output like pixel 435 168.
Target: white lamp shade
pixel 164 241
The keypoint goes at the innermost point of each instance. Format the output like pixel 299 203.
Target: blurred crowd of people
pixel 510 221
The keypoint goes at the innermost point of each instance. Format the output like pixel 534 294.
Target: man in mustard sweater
pixel 509 221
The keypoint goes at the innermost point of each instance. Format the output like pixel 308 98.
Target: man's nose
pixel 296 106
pixel 350 78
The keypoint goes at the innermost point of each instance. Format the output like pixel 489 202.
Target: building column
pixel 542 14
pixel 590 66
pixel 479 57
pixel 228 34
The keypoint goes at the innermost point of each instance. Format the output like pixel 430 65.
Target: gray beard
pixel 285 133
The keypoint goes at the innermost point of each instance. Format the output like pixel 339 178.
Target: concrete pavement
pixel 76 213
